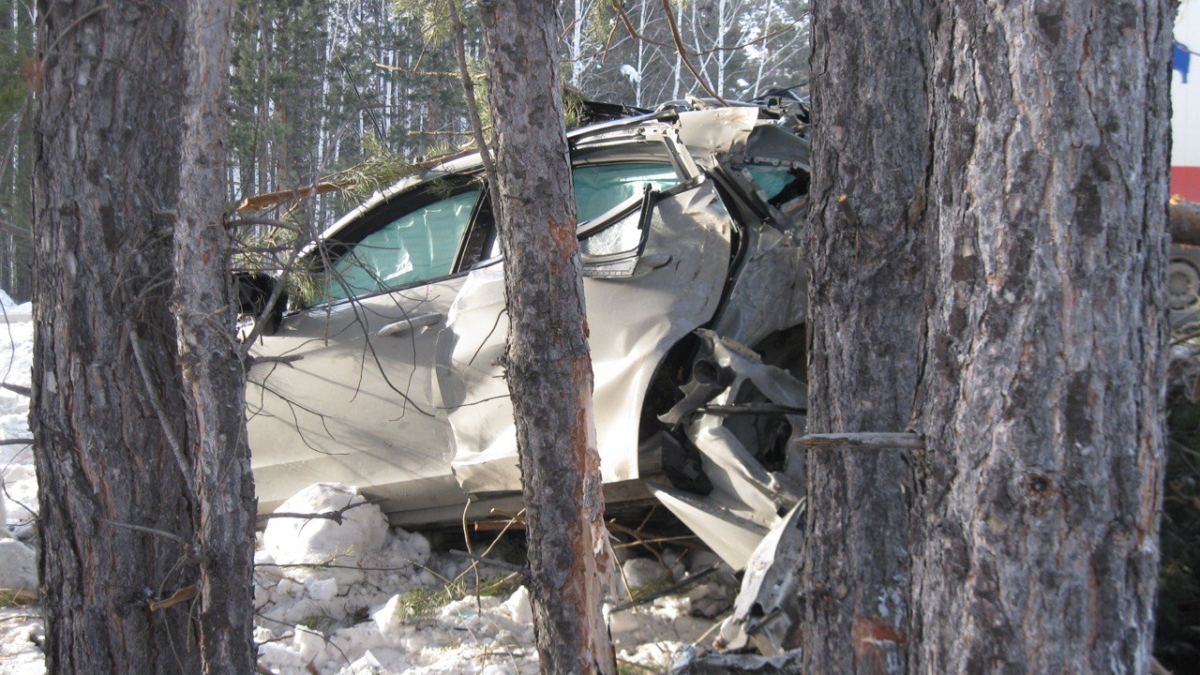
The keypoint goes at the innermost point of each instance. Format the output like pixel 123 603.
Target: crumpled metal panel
pixel 771 291
pixel 717 133
pixel 677 289
pixel 773 145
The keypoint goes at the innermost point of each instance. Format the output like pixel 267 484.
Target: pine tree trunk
pixel 866 298
pixel 1042 395
pixel 213 374
pixel 106 184
pixel 548 364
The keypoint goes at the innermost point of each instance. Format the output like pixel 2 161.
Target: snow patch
pixel 323 548
pixel 18 566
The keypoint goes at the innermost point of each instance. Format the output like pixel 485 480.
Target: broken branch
pixel 17 389
pixel 259 202
pixel 864 441
pixel 843 201
pixel 182 595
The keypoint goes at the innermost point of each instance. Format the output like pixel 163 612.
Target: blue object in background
pixel 1183 59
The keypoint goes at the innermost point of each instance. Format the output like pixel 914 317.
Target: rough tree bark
pixel 213 375
pixel 548 365
pixel 1041 400
pixel 106 185
pixel 866 298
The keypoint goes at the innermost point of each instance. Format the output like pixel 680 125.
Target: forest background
pixel 324 89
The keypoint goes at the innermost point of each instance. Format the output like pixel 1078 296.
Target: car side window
pixel 601 187
pixel 599 190
pixel 417 246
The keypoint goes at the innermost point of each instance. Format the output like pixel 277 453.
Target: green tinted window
pixel 418 246
pixel 772 181
pixel 600 187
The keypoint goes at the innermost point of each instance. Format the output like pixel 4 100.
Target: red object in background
pixel 1185 182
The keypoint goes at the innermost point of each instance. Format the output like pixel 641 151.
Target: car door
pixel 655 244
pixel 342 391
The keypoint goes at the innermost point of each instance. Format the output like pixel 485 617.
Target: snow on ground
pixel 355 598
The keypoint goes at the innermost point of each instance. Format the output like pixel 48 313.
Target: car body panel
pixel 355 406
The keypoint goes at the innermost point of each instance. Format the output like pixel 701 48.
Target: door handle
pixel 413 322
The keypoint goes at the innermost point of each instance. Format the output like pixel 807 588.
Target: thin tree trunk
pixel 548 365
pixel 213 375
pixel 576 47
pixel 108 459
pixel 1042 399
pixel 866 296
pixel 765 53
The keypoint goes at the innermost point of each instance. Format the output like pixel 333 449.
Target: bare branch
pixel 9 228
pixel 423 73
pixel 335 516
pixel 489 167
pixel 163 419
pixel 149 530
pixel 418 132
pixel 671 590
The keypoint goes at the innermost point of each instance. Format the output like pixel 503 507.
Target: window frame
pixel 481 229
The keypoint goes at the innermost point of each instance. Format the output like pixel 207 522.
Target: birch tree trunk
pixel 213 373
pixel 866 297
pixel 1042 397
pixel 548 364
pixel 114 498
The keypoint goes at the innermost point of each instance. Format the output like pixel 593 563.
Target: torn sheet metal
pixel 690 662
pixel 745 497
pixel 766 612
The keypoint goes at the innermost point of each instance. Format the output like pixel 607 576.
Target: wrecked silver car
pixel 389 376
